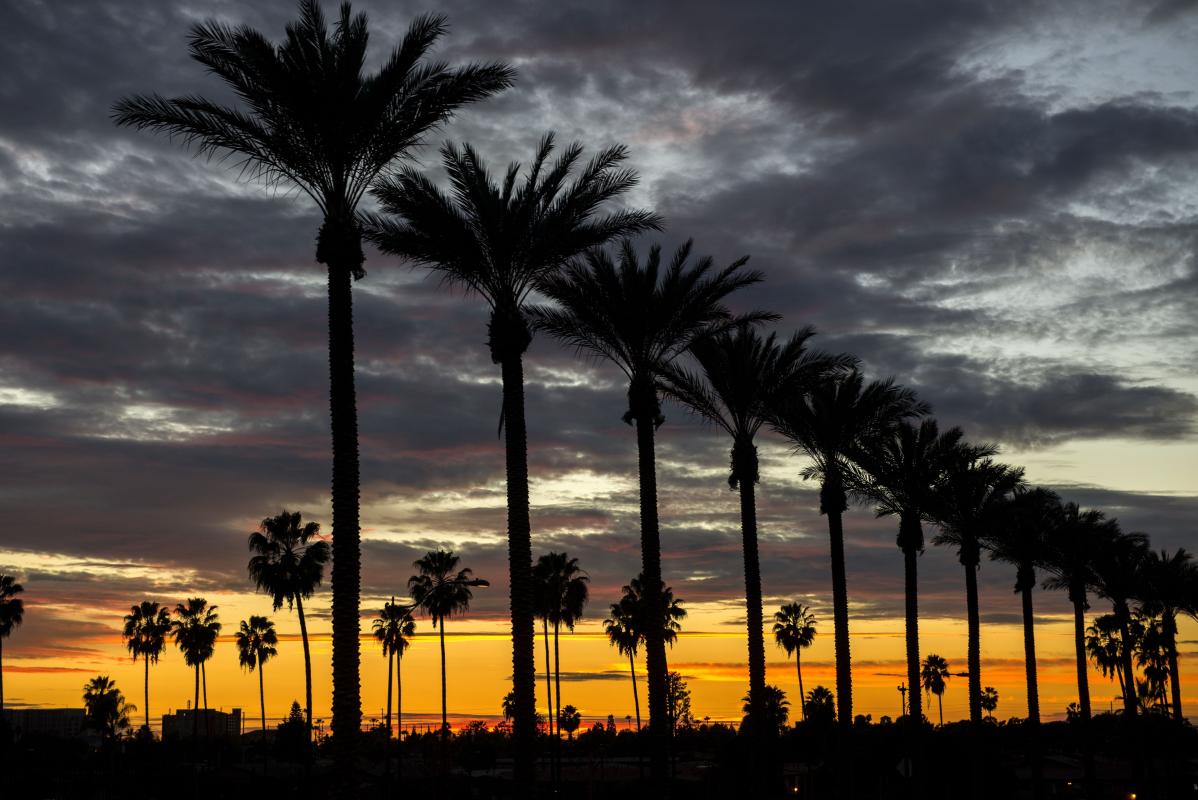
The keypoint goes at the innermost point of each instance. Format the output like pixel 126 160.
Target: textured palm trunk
pixel 299 607
pixel 974 655
pixel 940 707
pixel 444 703
pixel 802 693
pixel 262 707
pixel 2 675
pixel 636 701
pixel 1169 624
pixel 524 674
pixel 1078 597
pixel 756 636
pixel 833 503
pixel 1029 650
pixel 195 710
pixel 204 683
pixel 399 697
pixel 557 680
pixel 147 687
pixel 911 594
pixel 390 665
pixel 1130 704
pixel 548 682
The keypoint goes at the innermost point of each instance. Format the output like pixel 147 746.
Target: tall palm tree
pixel 900 473
pixel 564 592
pixel 146 627
pixel 194 629
pixel 969 495
pixel 838 415
pixel 1019 537
pixel 257 642
pixel 12 613
pixel 932 677
pixel 288 564
pixel 642 318
pixel 1117 572
pixel 1068 560
pixel 501 242
pixel 794 629
pixel 311 118
pixel 1170 589
pixel 742 375
pixel 440 593
pixel 394 629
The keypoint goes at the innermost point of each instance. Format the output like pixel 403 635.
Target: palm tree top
pixel 561 587
pixel 256 642
pixel 289 557
pixel 1020 532
pixel 794 627
pixel 438 590
pixel 633 612
pixel 12 608
pixel 1070 548
pixel 309 115
pixel 970 497
pixel 146 627
pixel 1117 568
pixel 1171 583
pixel 394 627
pixel 194 629
pixel 933 673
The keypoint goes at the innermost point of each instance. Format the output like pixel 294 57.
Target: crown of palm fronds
pixel 1070 548
pixel 560 588
pixel 256 641
pixel 289 558
pixel 12 608
pixel 1170 584
pixel 394 627
pixel 438 590
pixel 969 498
pixel 1019 533
pixel 794 627
pixel 146 627
pixel 194 629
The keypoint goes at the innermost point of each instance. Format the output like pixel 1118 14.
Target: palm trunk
pixel 1169 625
pixel 940 707
pixel 1029 652
pixel 1079 645
pixel 911 592
pixel 204 684
pixel 147 679
pixel 299 607
pixel 444 704
pixel 756 637
pixel 524 674
pixel 195 710
pixel 833 503
pixel 557 680
pixel 262 702
pixel 390 666
pixel 399 696
pixel 548 682
pixel 802 694
pixel 636 701
pixel 1130 703
pixel 974 657
pixel 2 676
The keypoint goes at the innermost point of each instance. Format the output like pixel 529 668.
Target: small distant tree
pixel 105 707
pixel 509 706
pixel 820 706
pixel 569 719
pixel 932 675
pixel 989 700
pixel 678 701
pixel 1073 713
pixel 775 709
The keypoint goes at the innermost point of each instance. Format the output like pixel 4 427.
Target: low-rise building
pixel 208 722
pixel 64 722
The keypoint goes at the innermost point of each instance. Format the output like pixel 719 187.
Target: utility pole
pixel 902 690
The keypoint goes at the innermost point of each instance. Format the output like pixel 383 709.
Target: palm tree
pixel 105 707
pixel 794 629
pixel 1068 554
pixel 501 242
pixel 838 415
pixel 819 705
pixel 633 616
pixel 900 473
pixel 1105 644
pixel 622 634
pixel 969 495
pixel 1170 588
pixel 194 629
pixel 568 719
pixel 642 319
pixel 771 709
pixel 1019 537
pixel 932 677
pixel 440 593
pixel 288 564
pixel 563 590
pixel 1117 572
pixel 743 374
pixel 257 642
pixel 312 119
pixel 989 700
pixel 12 613
pixel 394 629
pixel 146 627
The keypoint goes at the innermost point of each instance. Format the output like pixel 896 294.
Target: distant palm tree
pixel 501 242
pixel 742 375
pixel 563 590
pixel 194 629
pixel 622 634
pixel 989 700
pixel 508 706
pixel 771 710
pixel 1170 589
pixel 257 642
pixel 310 118
pixel 568 719
pixel 794 629
pixel 1019 537
pixel 634 615
pixel 969 497
pixel 900 473
pixel 105 707
pixel 819 705
pixel 932 677
pixel 394 629
pixel 1105 644
pixel 1117 572
pixel 642 318
pixel 440 593
pixel 838 415
pixel 288 564
pixel 1068 560
pixel 146 628
pixel 12 613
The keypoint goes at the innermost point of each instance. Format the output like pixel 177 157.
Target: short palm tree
pixel 12 613
pixel 899 473
pixel 562 588
pixel 1117 573
pixel 632 617
pixel 932 677
pixel 394 629
pixel 568 719
pixel 441 591
pixel 311 118
pixel 288 564
pixel 256 643
pixel 1019 537
pixel 146 627
pixel 741 376
pixel 794 630
pixel 642 318
pixel 194 629
pixel 770 710
pixel 1169 590
pixel 970 494
pixel 622 634
pixel 501 242
pixel 989 700
pixel 105 708
pixel 838 415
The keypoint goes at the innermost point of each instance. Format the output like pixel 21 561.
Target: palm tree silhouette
pixel 838 415
pixel 794 629
pixel 969 495
pixel 932 677
pixel 633 615
pixel 569 718
pixel 622 634
pixel 288 564
pixel 1068 554
pixel 394 629
pixel 900 473
pixel 989 700
pixel 257 643
pixel 1019 537
pixel 311 118
pixel 440 593
pixel 105 707
pixel 642 319
pixel 12 613
pixel 1117 572
pixel 563 589
pixel 146 628
pixel 194 629
pixel 742 375
pixel 501 242
pixel 771 709
pixel 1170 588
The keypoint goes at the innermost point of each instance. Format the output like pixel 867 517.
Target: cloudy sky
pixel 993 203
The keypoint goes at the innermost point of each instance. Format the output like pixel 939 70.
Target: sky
pixel 993 203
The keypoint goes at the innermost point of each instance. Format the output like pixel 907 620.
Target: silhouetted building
pixel 212 723
pixel 65 722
